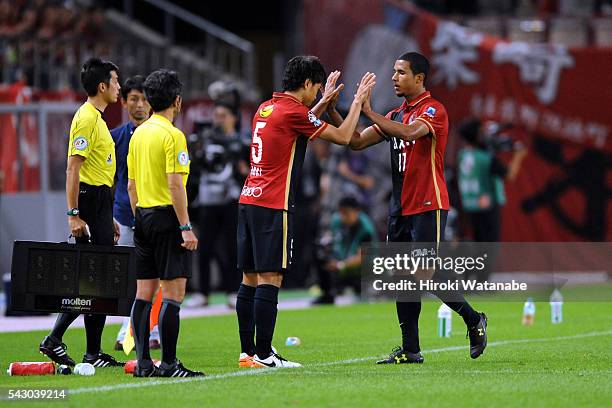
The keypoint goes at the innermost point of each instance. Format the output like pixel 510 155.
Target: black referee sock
pixel 169 323
pixel 245 304
pixel 266 301
pixel 64 320
pixel 141 310
pixel 408 317
pixel 94 325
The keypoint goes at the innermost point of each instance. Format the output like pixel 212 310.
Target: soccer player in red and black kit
pixel 417 132
pixel 282 127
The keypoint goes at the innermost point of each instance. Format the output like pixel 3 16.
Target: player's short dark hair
pixel 418 63
pixel 301 68
pixel 134 83
pixel 161 89
pixel 94 72
pixel 349 202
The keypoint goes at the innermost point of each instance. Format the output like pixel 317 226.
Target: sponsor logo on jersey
pixel 266 111
pixel 431 111
pixel 251 191
pixel 80 143
pixel 183 158
pixel 314 120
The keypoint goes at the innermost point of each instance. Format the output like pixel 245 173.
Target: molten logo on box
pixel 76 302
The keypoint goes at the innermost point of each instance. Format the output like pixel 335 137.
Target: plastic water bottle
pixel 84 369
pixel 556 307
pixel 445 316
pixel 293 341
pixel 529 312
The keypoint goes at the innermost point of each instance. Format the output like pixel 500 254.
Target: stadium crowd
pixel 37 35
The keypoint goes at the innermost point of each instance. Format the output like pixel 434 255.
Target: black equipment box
pixel 63 277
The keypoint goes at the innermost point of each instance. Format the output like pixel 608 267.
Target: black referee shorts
pixel 157 241
pixel 96 209
pixel 265 239
pixel 423 227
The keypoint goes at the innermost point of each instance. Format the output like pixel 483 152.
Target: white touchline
pixel 260 371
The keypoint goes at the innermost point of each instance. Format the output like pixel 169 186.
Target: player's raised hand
pixel 331 105
pixel 368 81
pixel 332 91
pixel 367 107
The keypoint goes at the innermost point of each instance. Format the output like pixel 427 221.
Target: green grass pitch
pixel 546 365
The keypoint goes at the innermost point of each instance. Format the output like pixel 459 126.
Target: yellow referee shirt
pixel 90 138
pixel 156 149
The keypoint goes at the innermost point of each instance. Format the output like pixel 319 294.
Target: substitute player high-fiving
pixel 282 127
pixel 417 132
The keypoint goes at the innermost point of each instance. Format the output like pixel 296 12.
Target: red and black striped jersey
pixel 282 127
pixel 418 166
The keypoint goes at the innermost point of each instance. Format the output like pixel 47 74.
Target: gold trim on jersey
pixel 431 129
pixel 433 171
pixel 289 171
pixel 318 131
pixel 414 103
pixel 437 230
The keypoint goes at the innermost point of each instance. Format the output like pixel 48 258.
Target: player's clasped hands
pixel 190 241
pixel 332 91
pixel 365 86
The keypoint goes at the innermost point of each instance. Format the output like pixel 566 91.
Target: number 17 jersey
pixel 282 127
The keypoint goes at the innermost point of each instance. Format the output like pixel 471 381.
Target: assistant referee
pixel 90 175
pixel 158 166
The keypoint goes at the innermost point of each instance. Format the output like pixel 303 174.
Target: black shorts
pixel 158 239
pixel 423 227
pixel 96 209
pixel 265 239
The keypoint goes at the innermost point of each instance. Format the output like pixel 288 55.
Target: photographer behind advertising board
pixel 220 166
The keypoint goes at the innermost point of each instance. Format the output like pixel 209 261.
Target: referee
pixel 89 178
pixel 158 166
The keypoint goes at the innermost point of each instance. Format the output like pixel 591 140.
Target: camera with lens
pixel 211 151
pixel 495 137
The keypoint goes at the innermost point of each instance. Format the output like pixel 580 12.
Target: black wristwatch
pixel 186 227
pixel 73 212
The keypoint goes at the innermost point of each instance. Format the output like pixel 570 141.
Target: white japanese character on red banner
pixel 453 47
pixel 539 65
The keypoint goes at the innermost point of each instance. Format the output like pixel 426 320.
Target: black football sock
pixel 266 301
pixel 408 317
pixel 94 325
pixel 141 309
pixel 469 315
pixel 64 320
pixel 245 304
pixel 456 301
pixel 169 323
